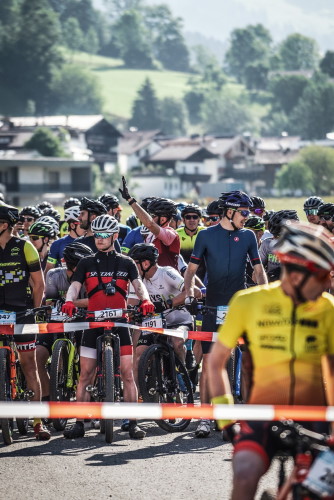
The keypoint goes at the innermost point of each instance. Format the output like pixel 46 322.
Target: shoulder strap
pixel 101 285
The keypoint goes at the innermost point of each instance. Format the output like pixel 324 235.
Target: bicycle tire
pixel 21 423
pixel 155 358
pixel 109 390
pixel 58 378
pixel 6 423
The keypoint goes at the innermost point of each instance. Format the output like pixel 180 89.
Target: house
pixel 102 140
pixel 163 184
pixel 136 145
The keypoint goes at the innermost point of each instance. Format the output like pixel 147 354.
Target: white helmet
pixel 50 220
pixel 306 245
pixel 144 231
pixel 72 214
pixel 105 224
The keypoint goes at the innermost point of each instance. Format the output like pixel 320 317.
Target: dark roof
pixel 179 153
pixel 103 127
pixel 217 145
pixel 274 157
pixel 133 141
pixel 17 139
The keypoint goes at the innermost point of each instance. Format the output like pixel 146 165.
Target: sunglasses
pixel 35 237
pixel 193 217
pixel 214 218
pixel 326 217
pixel 102 236
pixel 258 211
pixel 311 211
pixel 244 213
pixel 27 219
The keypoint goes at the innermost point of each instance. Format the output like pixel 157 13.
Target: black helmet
pixel 75 251
pixel 326 209
pixel 71 202
pixel 144 251
pixel 41 229
pixel 44 204
pixel 52 212
pixel 191 209
pixel 266 216
pixel 30 210
pixel 132 221
pixel 313 202
pixel 9 214
pixel 162 207
pixel 146 201
pixel 256 223
pixel 278 219
pixel 234 199
pixel 92 206
pixel 213 208
pixel 109 200
pixel 257 202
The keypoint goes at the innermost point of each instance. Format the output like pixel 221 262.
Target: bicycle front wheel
pixel 22 423
pixel 58 379
pixel 5 395
pixel 157 383
pixel 109 390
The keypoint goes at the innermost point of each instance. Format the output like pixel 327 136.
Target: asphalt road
pixel 163 466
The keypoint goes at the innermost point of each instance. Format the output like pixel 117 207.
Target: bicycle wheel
pixel 108 377
pixel 157 386
pixel 22 423
pixel 5 395
pixel 58 379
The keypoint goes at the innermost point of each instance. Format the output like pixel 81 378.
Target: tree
pixel 295 176
pixel 256 75
pixel 194 100
pixel 131 37
pixel 145 109
pixel 116 8
pixel 320 161
pixel 72 34
pixel 46 143
pixel 91 42
pixel 298 52
pixel 76 91
pixel 173 116
pixel 327 63
pixel 287 90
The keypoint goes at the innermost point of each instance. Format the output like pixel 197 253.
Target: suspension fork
pixel 117 365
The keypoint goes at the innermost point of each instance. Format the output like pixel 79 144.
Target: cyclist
pixel 21 286
pixel 311 207
pixel 135 236
pixel 266 217
pixel 176 220
pixel 212 214
pixel 224 248
pixel 269 259
pixel 41 235
pixel 44 204
pixel 255 224
pixel 258 206
pixel 289 327
pixel 71 217
pixel 325 214
pixel 191 217
pixel 163 236
pixel 57 283
pixel 63 226
pixel 114 208
pixel 106 276
pixel 27 215
pixel 52 212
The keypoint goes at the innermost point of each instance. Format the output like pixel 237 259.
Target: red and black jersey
pixel 104 264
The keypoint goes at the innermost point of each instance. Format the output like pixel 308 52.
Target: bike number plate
pixel 154 321
pixel 7 317
pixel 221 314
pixel 108 314
pixel 57 315
pixel 320 479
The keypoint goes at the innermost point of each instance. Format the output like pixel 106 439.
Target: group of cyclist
pixel 265 273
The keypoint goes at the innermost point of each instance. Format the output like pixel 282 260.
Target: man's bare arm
pixel 189 279
pixel 140 290
pixel 260 276
pixel 73 291
pixel 145 218
pixel 38 286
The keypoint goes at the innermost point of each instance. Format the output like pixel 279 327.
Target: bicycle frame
pixel 72 366
pixel 108 338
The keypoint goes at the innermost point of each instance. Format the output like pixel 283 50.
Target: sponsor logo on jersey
pixel 14 251
pixel 236 238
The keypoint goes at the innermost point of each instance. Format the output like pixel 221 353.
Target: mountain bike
pixel 163 378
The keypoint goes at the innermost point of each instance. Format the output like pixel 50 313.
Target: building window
pixel 196 170
pixel 53 179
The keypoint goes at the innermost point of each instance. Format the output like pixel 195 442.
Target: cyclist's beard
pixel 84 224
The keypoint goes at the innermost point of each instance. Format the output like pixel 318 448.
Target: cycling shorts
pixel 88 341
pixel 208 325
pixel 47 340
pixel 147 338
pixel 25 343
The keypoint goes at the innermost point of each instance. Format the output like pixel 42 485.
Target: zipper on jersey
pixel 293 357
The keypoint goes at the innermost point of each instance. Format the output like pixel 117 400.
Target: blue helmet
pixel 234 199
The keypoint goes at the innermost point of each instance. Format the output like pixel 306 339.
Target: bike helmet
pixel 105 224
pixel 144 251
pixel 71 214
pixel 146 201
pixel 92 206
pixel 109 201
pixel 75 251
pixel 306 246
pixel 177 217
pixel 49 220
pixel 162 207
pixel 31 211
pixel 191 209
pixel 39 228
pixel 234 199
pixel 213 208
pixel 52 212
pixel 181 205
pixel 44 204
pixel 257 202
pixel 71 202
pixel 132 221
pixel 144 231
pixel 9 214
pixel 279 218
pixel 326 209
pixel 255 223
pixel 266 216
pixel 313 202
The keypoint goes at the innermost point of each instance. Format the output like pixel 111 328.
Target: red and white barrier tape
pixel 42 328
pixel 150 411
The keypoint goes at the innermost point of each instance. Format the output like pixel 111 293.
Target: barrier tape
pixel 43 328
pixel 151 411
